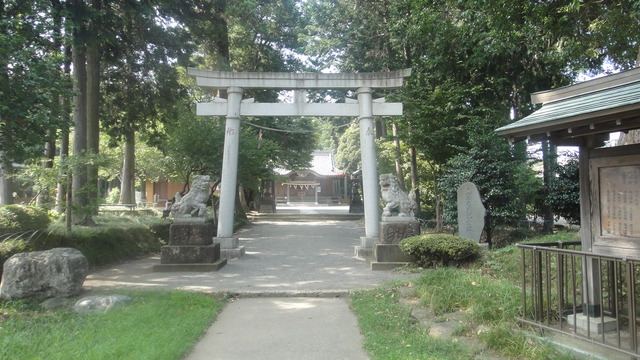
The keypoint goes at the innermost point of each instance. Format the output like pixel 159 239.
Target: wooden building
pixel 321 183
pixel 584 115
pixel 607 258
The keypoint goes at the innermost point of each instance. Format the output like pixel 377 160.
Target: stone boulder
pixel 100 303
pixel 58 272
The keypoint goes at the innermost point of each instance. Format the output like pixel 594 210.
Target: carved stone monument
pixel 191 246
pixel 395 198
pixel 398 222
pixel 192 204
pixel 471 212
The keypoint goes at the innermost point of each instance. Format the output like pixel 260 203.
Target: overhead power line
pixel 294 131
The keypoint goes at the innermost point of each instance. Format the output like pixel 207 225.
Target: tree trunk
pixel 61 193
pixel 397 155
pixel 381 129
pixel 143 190
pixel 6 180
pixel 631 136
pixel 62 186
pixel 439 221
pixel 6 163
pixel 488 230
pixel 93 123
pixel 127 188
pixel 415 179
pixel 44 195
pixel 81 211
pixel 628 138
pixel 239 208
pixel 221 38
pixel 549 158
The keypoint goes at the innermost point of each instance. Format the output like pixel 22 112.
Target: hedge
pixel 439 249
pixel 20 218
pixel 114 239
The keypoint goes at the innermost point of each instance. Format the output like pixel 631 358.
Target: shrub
pixel 20 218
pixel 113 197
pixel 439 249
pixel 116 238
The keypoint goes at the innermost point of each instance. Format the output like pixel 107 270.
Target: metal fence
pixel 581 294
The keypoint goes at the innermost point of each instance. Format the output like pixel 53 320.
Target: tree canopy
pixel 474 64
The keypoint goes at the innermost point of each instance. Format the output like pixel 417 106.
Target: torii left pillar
pixel 229 245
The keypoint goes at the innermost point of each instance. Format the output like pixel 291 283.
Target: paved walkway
pixel 289 279
pixel 285 258
pixel 281 329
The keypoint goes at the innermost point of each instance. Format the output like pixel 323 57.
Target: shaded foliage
pixel 502 176
pixel 20 218
pixel 564 192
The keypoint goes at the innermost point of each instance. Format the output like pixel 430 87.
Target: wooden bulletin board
pixel 615 195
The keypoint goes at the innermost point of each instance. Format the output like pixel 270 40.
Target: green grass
pixel 505 263
pixel 156 325
pixel 391 333
pixel 484 300
pixel 487 293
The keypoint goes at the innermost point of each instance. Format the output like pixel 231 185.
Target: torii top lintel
pixel 281 80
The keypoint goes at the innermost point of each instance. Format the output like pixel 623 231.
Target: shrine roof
pixel 322 164
pixel 602 105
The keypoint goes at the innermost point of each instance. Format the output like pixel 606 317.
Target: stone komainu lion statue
pixel 194 203
pixel 394 197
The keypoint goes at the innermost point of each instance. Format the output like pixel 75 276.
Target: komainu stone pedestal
pixel 190 248
pixel 386 252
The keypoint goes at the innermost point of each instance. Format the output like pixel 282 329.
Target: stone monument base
pixel 229 247
pixel 189 254
pixel 190 248
pixel 386 253
pixel 595 324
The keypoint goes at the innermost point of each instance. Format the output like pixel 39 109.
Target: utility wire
pixel 294 131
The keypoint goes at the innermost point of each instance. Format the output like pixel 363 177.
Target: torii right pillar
pixel 369 174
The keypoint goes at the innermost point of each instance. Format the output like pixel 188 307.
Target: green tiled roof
pixel 584 107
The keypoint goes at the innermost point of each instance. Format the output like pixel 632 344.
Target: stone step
pixel 305 217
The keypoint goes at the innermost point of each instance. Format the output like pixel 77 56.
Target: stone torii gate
pixel 234 108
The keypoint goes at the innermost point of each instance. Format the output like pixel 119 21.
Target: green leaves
pixel 30 82
pixel 439 249
pixel 564 192
pixel 348 154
